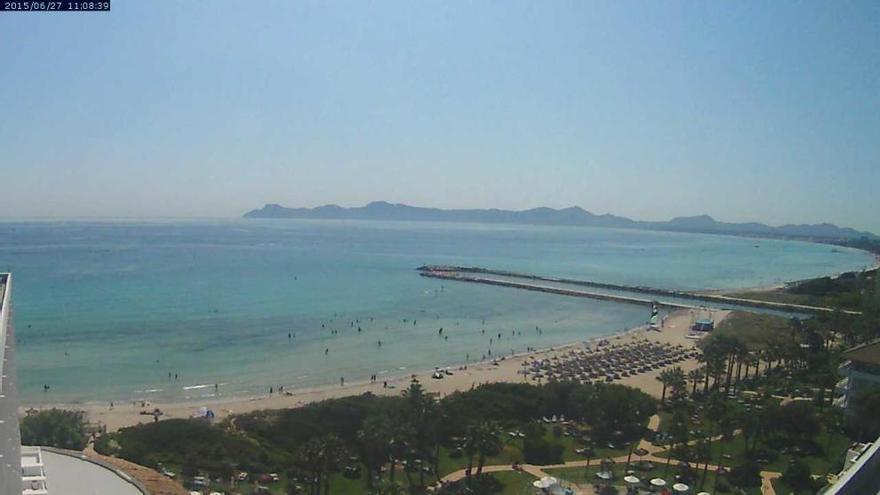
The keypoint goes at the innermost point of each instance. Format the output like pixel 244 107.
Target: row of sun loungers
pixel 608 363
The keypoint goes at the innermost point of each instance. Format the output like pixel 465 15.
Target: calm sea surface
pixel 107 310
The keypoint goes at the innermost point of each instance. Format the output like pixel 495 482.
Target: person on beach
pixel 341 381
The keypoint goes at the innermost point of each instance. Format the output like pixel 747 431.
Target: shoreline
pixel 464 377
pixel 98 409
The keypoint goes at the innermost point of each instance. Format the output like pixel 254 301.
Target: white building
pixel 860 371
pixel 10 440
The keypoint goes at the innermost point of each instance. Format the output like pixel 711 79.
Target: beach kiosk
pixel 703 325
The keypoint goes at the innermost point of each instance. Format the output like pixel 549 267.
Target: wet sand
pixel 127 414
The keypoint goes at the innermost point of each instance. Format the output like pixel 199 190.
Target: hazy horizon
pixel 745 112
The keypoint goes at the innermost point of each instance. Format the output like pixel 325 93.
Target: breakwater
pixel 621 293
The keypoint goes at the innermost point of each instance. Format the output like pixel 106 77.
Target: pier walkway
pixel 620 293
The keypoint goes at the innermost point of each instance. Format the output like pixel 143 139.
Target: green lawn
pixel 513 452
pixel 515 483
pixel 830 461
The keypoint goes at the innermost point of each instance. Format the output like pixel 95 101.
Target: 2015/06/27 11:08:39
pixel 62 6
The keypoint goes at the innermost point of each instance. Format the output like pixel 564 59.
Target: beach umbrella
pixel 604 475
pixel 545 482
pixel 680 487
pixel 704 493
pixel 658 482
pixel 632 480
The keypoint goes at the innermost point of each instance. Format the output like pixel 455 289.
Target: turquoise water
pixel 107 310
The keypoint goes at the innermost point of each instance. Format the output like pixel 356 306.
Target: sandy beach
pixel 127 414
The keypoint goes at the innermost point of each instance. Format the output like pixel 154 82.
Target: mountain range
pixel 575 216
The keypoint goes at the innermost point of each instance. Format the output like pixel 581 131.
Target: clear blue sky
pixel 764 111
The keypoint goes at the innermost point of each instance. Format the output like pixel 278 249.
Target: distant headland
pixel 573 216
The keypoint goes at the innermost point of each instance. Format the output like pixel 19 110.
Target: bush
pixel 798 476
pixel 55 428
pixel 745 475
pixel 536 450
pixel 191 443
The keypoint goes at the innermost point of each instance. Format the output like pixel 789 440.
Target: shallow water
pixel 107 310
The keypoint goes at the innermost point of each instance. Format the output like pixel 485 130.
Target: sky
pixel 764 111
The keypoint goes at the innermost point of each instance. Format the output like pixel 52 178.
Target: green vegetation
pixel 759 402
pixel 762 398
pixel 55 428
pixel 371 444
pixel 846 291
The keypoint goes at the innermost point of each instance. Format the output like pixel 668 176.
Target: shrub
pixel 192 443
pixel 55 428
pixel 745 475
pixel 536 450
pixel 798 476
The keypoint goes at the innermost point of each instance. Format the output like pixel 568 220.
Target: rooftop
pixel 72 474
pixel 868 353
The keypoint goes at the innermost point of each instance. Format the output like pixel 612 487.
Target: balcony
pixel 33 473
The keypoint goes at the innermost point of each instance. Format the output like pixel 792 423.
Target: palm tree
pixel 424 417
pixel 488 443
pixel 666 377
pixel 481 440
pixel 678 385
pixel 695 375
pixel 321 457
pixel 373 444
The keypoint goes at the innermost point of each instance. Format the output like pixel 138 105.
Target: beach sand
pixel 127 414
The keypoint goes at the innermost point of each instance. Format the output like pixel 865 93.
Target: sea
pixel 165 310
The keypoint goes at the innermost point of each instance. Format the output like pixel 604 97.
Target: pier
pixel 660 297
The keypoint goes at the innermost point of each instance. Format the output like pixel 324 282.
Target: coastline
pixel 132 413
